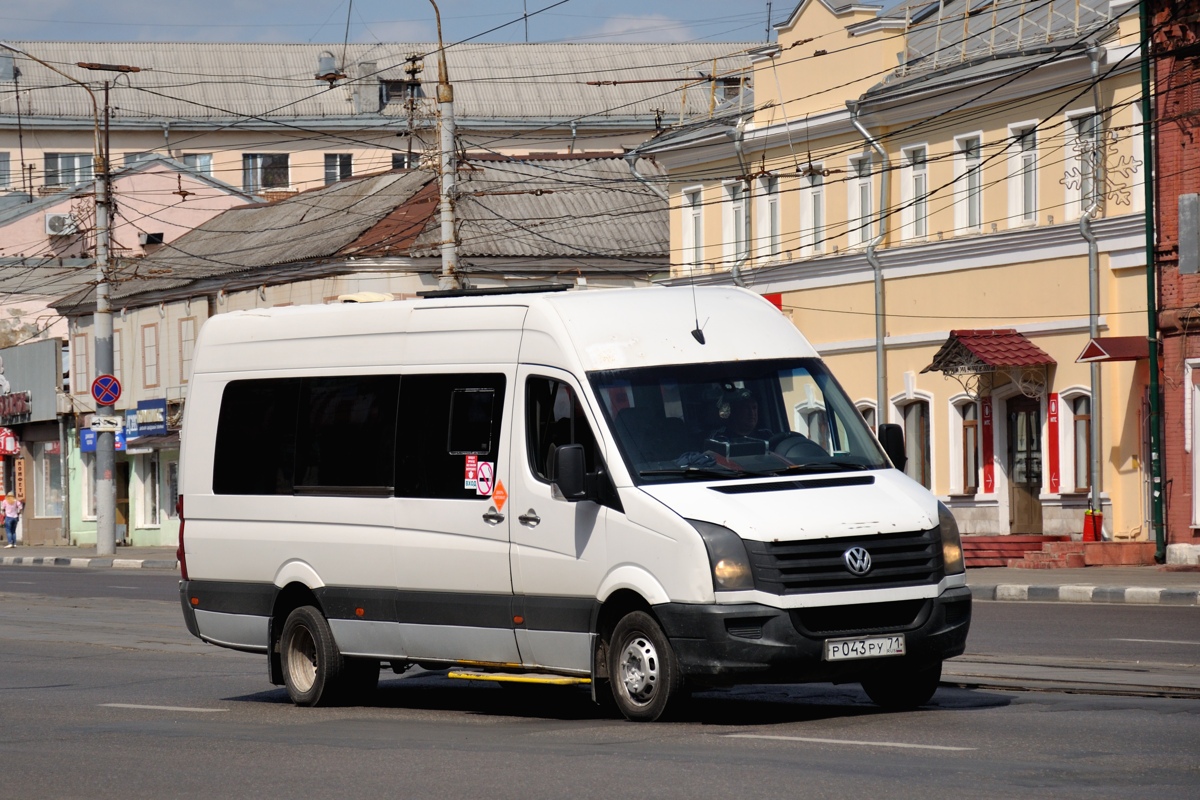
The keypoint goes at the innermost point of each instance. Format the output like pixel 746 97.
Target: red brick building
pixel 1175 32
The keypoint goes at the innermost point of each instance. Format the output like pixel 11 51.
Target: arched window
pixel 970 446
pixel 916 442
pixel 1081 437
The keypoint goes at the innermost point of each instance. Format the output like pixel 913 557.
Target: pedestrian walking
pixel 12 508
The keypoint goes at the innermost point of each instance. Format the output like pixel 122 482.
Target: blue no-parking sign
pixel 106 390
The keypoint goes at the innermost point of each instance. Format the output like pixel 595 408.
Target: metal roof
pixel 205 83
pixel 975 351
pixel 583 209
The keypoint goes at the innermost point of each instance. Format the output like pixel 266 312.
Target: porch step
pixel 997 551
pixel 544 678
pixel 1074 555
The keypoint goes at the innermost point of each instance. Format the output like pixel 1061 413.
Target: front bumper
pixel 727 643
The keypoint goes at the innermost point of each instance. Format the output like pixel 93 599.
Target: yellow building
pixel 919 188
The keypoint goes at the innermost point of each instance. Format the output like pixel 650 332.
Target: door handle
pixel 493 517
pixel 530 518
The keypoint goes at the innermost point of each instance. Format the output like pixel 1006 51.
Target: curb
pixel 1136 595
pixel 89 562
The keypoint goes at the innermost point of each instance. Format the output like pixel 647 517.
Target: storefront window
pixel 89 485
pixel 47 493
pixel 172 489
pixel 150 488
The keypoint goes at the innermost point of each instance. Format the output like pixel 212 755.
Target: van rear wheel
pixel 904 689
pixel 642 670
pixel 312 664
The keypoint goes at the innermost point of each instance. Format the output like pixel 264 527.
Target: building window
pixel 172 487
pixel 399 91
pixel 737 224
pixel 150 486
pixel 916 442
pixel 67 169
pixel 5 174
pixel 693 229
pixel 916 199
pixel 149 356
pixel 769 237
pixel 117 371
pixel 860 201
pixel 405 160
pixel 187 346
pixel 129 159
pixel 1081 429
pixel 338 166
pixel 812 210
pixel 867 411
pixel 970 182
pixel 1024 185
pixel 264 171
pixel 970 447
pixel 80 377
pixel 89 485
pixel 200 162
pixel 47 468
pixel 1084 160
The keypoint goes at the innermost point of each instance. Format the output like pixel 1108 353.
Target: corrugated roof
pixel 552 208
pixel 973 351
pixel 184 82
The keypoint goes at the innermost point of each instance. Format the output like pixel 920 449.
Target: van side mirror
pixel 570 473
pixel 891 436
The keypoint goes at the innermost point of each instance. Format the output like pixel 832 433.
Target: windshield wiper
pixel 694 472
pixel 820 466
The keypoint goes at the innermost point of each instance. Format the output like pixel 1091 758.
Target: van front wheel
pixel 904 689
pixel 312 664
pixel 642 670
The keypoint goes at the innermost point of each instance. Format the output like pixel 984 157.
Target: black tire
pixel 642 668
pixel 312 664
pixel 904 689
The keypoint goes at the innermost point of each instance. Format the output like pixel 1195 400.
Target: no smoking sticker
pixel 486 478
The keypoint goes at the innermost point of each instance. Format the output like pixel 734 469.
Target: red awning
pixel 987 351
pixel 1115 348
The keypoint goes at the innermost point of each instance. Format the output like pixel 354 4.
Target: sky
pixel 325 21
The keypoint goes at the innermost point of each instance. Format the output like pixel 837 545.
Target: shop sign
pixel 87 441
pixel 15 407
pixel 9 446
pixel 149 419
pixel 19 479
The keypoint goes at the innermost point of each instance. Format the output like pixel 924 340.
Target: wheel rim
pixel 302 659
pixel 639 669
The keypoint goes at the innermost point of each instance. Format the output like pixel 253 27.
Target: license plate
pixel 864 647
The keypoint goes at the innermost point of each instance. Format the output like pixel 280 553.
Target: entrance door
pixel 1024 465
pixel 121 475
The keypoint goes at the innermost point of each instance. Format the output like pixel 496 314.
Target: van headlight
pixel 952 554
pixel 726 556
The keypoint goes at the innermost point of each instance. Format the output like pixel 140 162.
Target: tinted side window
pixel 346 434
pixel 444 421
pixel 256 437
pixel 554 417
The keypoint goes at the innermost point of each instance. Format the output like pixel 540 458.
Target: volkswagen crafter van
pixel 640 490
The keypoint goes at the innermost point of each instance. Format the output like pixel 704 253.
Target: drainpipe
pixel 574 133
pixel 1085 229
pixel 738 134
pixel 876 267
pixel 1156 494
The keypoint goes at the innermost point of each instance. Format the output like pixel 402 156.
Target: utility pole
pixel 445 93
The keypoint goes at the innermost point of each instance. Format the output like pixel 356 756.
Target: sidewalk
pixel 1140 585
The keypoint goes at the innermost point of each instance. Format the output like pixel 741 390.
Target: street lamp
pixel 106 497
pixel 445 94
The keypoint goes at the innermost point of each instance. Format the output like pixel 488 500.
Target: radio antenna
pixel 698 333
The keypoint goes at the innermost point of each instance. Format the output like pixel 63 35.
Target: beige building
pixel 919 188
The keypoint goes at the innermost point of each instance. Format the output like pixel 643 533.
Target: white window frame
pixel 735 223
pixel 199 162
pixel 968 183
pixel 897 404
pixel 1024 198
pixel 1066 439
pixel 956 407
pixel 693 226
pixel 5 169
pixel 151 356
pixel 80 364
pixel 118 355
pixel 88 463
pixel 78 167
pixel 149 472
pixel 812 210
pixel 338 166
pixel 1078 172
pixel 253 170
pixel 859 206
pixel 770 235
pixel 868 407
pixel 914 192
pixel 187 347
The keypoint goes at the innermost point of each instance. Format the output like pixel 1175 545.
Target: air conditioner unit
pixel 61 225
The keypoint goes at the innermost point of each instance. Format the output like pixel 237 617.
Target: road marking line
pixel 124 587
pixel 1155 641
pixel 846 741
pixel 162 708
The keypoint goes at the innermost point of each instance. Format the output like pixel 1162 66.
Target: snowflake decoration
pixel 1116 170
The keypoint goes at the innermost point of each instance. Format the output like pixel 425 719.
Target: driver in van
pixel 742 420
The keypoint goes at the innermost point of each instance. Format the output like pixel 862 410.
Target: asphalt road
pixel 104 694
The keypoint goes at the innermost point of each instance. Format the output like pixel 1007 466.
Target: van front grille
pixel 800 567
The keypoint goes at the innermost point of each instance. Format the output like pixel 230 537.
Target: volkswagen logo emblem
pixel 858 560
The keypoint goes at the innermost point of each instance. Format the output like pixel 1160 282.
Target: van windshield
pixel 732 419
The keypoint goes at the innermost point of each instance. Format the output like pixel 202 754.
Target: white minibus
pixel 639 490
